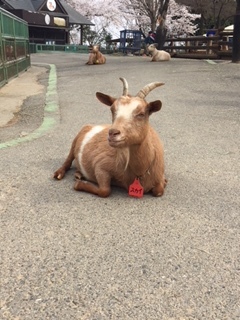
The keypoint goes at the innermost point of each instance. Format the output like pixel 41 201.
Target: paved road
pixel 71 255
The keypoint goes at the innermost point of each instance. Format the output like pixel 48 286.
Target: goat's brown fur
pixel 95 56
pixel 118 153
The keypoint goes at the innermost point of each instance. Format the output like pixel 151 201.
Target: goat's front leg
pixel 82 185
pixel 91 58
pixel 102 189
pixel 158 190
pixel 60 173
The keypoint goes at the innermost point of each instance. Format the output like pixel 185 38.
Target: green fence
pixel 67 48
pixel 14 46
pixel 37 48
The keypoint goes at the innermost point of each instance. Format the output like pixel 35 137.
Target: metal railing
pixel 201 47
pixel 198 47
pixel 37 48
pixel 14 46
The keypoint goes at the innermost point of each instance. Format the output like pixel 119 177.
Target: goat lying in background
pixel 95 56
pixel 124 152
pixel 158 55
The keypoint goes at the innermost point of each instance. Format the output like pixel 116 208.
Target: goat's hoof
pixel 159 194
pixel 158 190
pixel 77 175
pixel 58 175
pixel 165 182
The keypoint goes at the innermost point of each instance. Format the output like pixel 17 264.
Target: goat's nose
pixel 113 132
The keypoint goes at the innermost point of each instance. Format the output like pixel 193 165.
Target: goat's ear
pixel 105 99
pixel 154 106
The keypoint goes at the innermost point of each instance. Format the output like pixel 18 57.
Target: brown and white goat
pixel 158 55
pixel 95 56
pixel 128 150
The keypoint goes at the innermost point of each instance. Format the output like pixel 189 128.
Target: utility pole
pixel 236 35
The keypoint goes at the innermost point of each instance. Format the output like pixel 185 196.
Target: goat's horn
pixel 148 88
pixel 125 86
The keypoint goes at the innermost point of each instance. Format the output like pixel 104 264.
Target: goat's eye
pixel 140 115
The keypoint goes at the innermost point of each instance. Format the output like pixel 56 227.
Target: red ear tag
pixel 136 189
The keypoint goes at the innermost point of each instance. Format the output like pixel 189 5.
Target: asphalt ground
pixel 72 255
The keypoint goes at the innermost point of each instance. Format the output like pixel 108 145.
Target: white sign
pixel 47 19
pixel 51 5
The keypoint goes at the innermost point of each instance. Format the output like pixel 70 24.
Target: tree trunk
pixel 161 33
pixel 236 35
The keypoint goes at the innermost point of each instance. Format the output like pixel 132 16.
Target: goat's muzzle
pixel 114 137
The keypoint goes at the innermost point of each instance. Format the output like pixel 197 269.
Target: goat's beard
pixel 122 158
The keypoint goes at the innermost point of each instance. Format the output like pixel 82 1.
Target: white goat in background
pixel 158 55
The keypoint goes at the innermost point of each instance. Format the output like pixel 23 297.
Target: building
pixel 49 21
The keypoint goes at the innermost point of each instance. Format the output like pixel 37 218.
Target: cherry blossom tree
pixel 104 14
pixel 213 12
pixel 142 13
pixel 164 15
pixel 180 21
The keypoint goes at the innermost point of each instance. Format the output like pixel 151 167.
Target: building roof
pixel 20 4
pixel 37 3
pixel 34 5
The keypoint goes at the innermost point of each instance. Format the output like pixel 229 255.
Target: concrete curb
pixel 51 112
